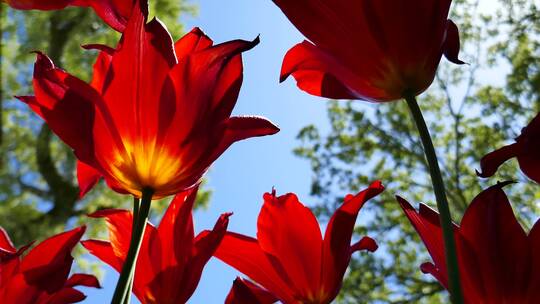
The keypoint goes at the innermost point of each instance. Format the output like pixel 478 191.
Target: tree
pixel 470 111
pixel 38 190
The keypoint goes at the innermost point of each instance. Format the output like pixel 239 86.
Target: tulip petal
pixel 81 279
pixel 100 76
pixel 529 163
pixel 44 5
pixel 314 18
pixel 316 72
pixel 119 225
pixel 244 291
pixel 67 105
pixel 245 255
pixel 48 264
pixel 103 251
pixel 451 43
pixel 176 227
pixel 87 177
pixel 499 242
pixel 285 223
pixel 205 244
pixel 365 243
pixel 134 109
pixel 493 160
pixel 430 268
pixel 114 12
pixel 195 80
pixel 195 40
pixel 534 282
pixel 66 295
pixel 337 239
pixel 429 231
pixel 243 127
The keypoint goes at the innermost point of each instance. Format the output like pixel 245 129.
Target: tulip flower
pixel 499 262
pixel 38 4
pixel 290 258
pixel 156 114
pixel 114 12
pixel 244 292
pixel 374 50
pixel 526 149
pixel 41 276
pixel 171 258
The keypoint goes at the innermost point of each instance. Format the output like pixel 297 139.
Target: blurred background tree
pixel 471 110
pixel 38 189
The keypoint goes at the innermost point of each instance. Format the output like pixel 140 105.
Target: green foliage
pixel 38 191
pixel 471 110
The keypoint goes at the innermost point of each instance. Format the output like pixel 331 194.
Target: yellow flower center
pixel 145 165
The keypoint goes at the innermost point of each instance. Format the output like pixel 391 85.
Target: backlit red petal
pixel 48 264
pixel 194 41
pixel 87 177
pixel 499 243
pixel 451 43
pixel 285 223
pixel 66 104
pixel 119 225
pixel 114 12
pixel 530 165
pixel 245 255
pixel 429 231
pixel 175 233
pixel 38 4
pixel 337 239
pixel 244 291
pixel 104 251
pixel 317 72
pixel 143 57
pixel 205 244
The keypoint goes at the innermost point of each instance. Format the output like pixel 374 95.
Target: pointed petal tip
pixel 79 230
pixel 428 268
pixel 378 185
pixel 197 30
pixel 99 47
pixel 366 243
pixel 403 202
pixel 28 99
pixel 452 43
pixel 82 279
pixel 43 61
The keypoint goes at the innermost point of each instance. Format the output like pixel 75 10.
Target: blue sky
pixel 249 168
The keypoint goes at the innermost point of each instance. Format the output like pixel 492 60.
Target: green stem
pixel 136 205
pixel 123 287
pixel 442 203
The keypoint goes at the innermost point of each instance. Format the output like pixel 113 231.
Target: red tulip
pixel 499 262
pixel 290 258
pixel 526 149
pixel 375 50
pixel 245 292
pixel 41 276
pixel 171 258
pixel 114 12
pixel 156 114
pixel 38 4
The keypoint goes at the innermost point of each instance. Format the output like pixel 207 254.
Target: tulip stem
pixel 140 215
pixel 136 205
pixel 442 202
